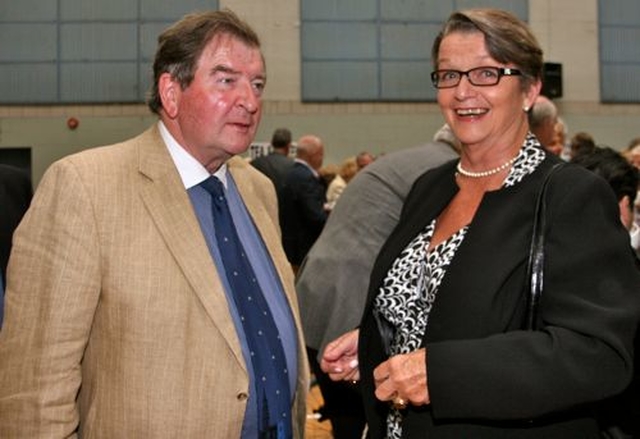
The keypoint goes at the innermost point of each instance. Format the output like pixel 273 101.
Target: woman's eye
pixel 448 75
pixel 489 73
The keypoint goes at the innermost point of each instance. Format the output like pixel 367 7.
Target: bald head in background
pixel 310 149
pixel 543 117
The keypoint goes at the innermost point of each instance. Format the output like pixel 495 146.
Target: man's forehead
pixel 228 39
pixel 224 44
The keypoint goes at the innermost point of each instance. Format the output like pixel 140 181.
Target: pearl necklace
pixel 482 174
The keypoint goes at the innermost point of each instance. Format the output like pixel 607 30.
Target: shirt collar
pixel 191 170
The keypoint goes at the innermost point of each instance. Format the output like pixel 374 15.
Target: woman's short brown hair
pixel 508 39
pixel 180 46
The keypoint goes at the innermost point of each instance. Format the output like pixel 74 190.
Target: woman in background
pixel 348 170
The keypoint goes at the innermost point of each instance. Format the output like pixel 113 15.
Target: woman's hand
pixel 402 379
pixel 340 357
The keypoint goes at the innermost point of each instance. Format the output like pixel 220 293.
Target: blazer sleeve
pixel 589 310
pixel 53 291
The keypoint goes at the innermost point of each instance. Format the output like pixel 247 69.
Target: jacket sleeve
pixel 589 310
pixel 53 290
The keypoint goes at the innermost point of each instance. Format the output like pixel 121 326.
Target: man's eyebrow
pixel 230 71
pixel 224 69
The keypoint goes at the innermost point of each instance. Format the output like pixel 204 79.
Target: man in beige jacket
pixel 120 322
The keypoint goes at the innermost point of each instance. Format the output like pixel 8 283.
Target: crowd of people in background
pixel 307 188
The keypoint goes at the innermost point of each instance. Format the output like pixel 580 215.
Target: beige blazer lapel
pixel 169 205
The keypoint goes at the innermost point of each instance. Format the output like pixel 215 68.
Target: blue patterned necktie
pixel 267 355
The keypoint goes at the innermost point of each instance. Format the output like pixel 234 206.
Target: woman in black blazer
pixel 441 351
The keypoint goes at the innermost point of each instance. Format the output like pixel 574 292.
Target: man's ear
pixel 626 211
pixel 169 91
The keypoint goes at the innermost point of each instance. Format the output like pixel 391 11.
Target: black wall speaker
pixel 552 80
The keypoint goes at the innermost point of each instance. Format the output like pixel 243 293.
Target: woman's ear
pixel 530 95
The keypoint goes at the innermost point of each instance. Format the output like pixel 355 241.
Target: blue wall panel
pixel 82 51
pixel 375 50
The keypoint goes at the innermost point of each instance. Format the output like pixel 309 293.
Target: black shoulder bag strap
pixel 535 266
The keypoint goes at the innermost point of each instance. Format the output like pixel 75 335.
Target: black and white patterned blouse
pixel 409 289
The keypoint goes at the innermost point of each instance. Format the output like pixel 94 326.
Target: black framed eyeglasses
pixel 481 76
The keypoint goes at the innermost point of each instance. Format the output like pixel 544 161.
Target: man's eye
pixel 259 85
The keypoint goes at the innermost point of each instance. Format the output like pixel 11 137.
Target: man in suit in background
pixel 303 212
pixel 277 163
pixel 121 320
pixel 333 280
pixel 15 195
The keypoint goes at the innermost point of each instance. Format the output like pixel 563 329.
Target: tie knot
pixel 214 186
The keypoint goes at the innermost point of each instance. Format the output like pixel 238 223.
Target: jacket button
pixel 242 396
